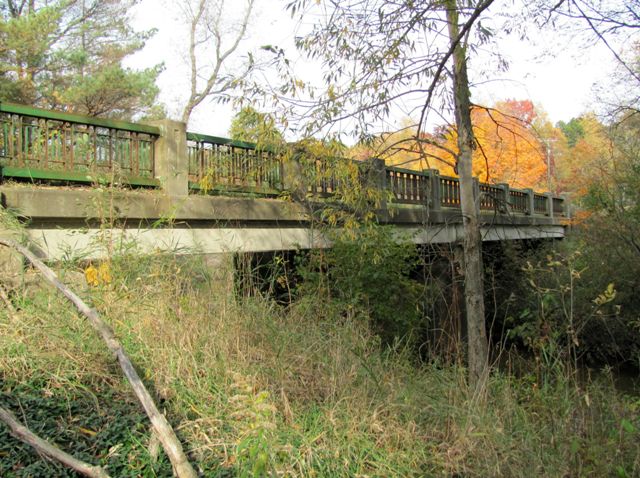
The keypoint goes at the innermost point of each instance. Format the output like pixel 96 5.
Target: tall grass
pixel 255 389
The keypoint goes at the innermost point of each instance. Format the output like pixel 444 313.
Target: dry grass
pixel 258 390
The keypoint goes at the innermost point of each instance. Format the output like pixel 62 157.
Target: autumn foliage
pixel 508 148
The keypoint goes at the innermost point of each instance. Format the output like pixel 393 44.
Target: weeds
pixel 256 389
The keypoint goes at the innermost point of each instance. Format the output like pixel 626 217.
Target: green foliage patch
pixel 97 424
pixel 367 271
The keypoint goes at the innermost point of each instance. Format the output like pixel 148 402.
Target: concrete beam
pixel 55 204
pixel 94 243
pixel 57 243
pixel 63 222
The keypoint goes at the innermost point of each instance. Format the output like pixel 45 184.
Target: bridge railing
pixel 519 201
pixel 408 186
pixel 219 164
pixel 49 145
pixel 429 187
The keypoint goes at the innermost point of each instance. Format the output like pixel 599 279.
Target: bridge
pixel 180 191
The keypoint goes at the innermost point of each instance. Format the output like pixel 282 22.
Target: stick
pixel 5 298
pixel 25 435
pixel 181 466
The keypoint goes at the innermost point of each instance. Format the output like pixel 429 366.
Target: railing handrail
pixel 13 108
pixel 405 170
pixel 248 145
pixel 205 138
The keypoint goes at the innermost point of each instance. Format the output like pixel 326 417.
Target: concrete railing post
pixel 378 175
pixel 293 178
pixel 566 207
pixel 504 206
pixel 549 204
pixel 434 188
pixel 530 202
pixel 171 159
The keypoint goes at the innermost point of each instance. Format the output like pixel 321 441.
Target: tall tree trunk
pixel 477 354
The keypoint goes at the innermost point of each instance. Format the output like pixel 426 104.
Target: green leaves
pixel 367 272
pixel 68 55
pixel 106 428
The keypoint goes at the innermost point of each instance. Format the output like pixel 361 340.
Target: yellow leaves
pixel 98 276
pixel 87 432
pixel 607 296
pixel 588 162
pixel 207 183
pixel 331 93
pixel 91 276
pixel 509 150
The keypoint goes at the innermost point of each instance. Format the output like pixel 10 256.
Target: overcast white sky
pixel 562 84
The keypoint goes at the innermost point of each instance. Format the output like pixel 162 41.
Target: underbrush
pixel 255 389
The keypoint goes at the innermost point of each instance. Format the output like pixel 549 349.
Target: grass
pixel 255 389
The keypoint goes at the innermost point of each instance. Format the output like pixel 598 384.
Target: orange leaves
pixel 508 150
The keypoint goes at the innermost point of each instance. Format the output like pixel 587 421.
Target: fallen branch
pixel 181 466
pixel 43 447
pixel 5 298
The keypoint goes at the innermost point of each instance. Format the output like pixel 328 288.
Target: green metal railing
pixel 492 197
pixel 55 146
pixel 221 164
pixel 414 187
pixel 518 201
pixel 408 186
pixel 50 145
pixel 540 203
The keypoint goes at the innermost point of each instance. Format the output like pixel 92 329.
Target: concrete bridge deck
pixel 66 221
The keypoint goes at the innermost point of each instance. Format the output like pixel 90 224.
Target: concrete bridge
pixel 180 191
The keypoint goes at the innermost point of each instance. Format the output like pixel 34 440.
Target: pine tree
pixel 68 55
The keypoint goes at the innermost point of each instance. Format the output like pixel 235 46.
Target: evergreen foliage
pixel 68 55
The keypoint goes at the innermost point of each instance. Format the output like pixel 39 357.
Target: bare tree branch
pixel 45 448
pixel 181 466
pixel 213 36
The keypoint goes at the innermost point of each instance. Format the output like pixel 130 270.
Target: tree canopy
pixel 68 55
pixel 253 126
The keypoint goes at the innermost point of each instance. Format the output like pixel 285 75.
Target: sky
pixel 560 83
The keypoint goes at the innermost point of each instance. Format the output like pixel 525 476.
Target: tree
pixel 478 354
pixel 509 149
pixel 212 33
pixel 252 126
pixel 572 130
pixel 377 53
pixel 67 54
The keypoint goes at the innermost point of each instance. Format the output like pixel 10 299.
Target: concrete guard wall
pixel 66 223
